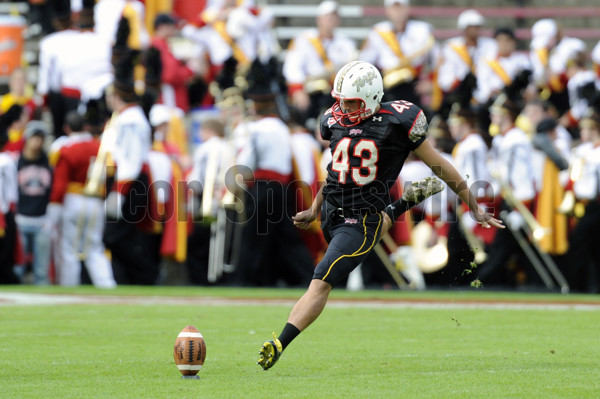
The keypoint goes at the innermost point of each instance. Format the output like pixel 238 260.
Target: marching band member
pixel 49 83
pixel 513 152
pixel 548 162
pixel 272 248
pixel 461 55
pixel 583 251
pixel 80 217
pixel 582 86
pixel 129 232
pixel 495 73
pixel 550 53
pixel 215 157
pixel 470 158
pixel 401 48
pixel 312 58
pixel 85 57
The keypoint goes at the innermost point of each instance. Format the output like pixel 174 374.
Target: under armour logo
pixel 377 118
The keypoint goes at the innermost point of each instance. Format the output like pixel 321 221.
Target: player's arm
pixel 445 171
pixel 305 218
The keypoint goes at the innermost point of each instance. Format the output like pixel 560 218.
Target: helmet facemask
pixel 348 119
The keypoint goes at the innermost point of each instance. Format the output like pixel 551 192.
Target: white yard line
pixel 29 299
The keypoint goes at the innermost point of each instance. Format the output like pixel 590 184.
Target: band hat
pixel 470 18
pixel 388 3
pixel 542 33
pixel 327 7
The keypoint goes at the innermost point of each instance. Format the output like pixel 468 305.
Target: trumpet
pixel 536 229
pixel 404 71
pixel 96 178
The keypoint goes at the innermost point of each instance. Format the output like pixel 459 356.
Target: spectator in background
pixel 8 201
pixel 14 120
pixel 175 74
pixel 35 182
pixel 20 92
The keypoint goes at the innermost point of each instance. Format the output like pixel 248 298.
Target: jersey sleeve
pixel 417 133
pixel 412 121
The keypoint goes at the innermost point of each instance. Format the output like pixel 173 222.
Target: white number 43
pixel 368 153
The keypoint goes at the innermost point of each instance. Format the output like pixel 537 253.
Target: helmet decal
pixel 363 80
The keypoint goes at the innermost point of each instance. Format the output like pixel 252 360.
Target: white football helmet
pixel 357 80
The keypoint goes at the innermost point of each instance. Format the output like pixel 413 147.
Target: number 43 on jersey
pixel 366 151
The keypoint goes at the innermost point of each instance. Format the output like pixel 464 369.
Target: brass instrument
pixel 430 258
pixel 475 244
pixel 96 178
pixel 404 71
pixel 569 205
pixel 536 230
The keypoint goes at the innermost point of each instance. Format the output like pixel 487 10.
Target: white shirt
pixel 514 158
pixel 108 13
pixel 489 82
pixel 453 67
pixel 470 159
pixel 415 41
pixel 87 57
pixel 133 143
pixel 9 193
pixel 303 61
pixel 588 186
pixel 268 146
pixel 304 148
pixel 51 50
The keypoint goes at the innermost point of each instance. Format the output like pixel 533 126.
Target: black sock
pixel 288 334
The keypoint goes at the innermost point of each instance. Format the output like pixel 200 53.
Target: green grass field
pixel 450 348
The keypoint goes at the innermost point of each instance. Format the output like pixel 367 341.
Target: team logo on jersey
pixel 355 132
pixel 330 122
pixel 363 80
pixel 377 118
pixel 351 220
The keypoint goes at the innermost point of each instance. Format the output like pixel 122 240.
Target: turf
pixel 125 351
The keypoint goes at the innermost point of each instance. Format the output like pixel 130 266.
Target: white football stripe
pixel 189 367
pixel 190 335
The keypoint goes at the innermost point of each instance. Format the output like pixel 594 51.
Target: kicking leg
pixel 304 312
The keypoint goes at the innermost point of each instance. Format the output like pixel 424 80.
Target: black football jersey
pixel 368 157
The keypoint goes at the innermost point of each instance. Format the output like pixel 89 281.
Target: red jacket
pixel 174 73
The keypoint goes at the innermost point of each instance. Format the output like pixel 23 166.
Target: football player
pixel 369 141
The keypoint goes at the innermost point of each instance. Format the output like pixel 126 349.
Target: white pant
pixel 81 239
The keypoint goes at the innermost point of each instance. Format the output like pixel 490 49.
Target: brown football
pixel 189 351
